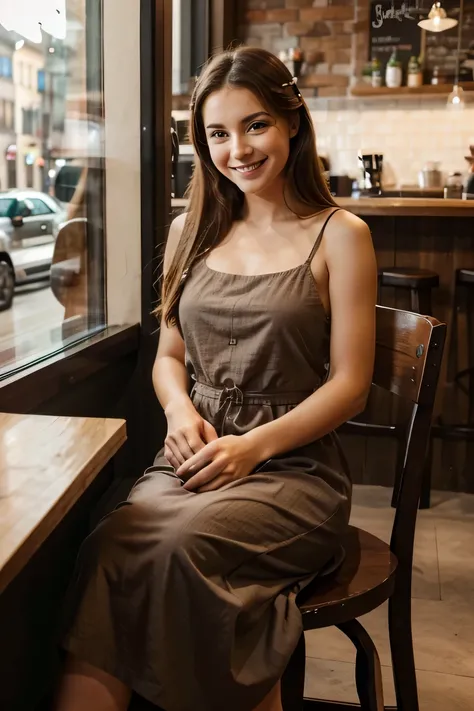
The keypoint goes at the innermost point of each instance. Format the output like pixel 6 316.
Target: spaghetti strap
pixel 320 236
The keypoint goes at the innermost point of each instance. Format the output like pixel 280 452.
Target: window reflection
pixel 51 179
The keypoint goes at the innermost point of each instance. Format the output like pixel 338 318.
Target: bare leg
pixel 271 702
pixel 86 687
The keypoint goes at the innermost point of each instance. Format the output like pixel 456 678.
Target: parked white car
pixel 29 223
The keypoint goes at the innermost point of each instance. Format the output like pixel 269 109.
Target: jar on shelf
pixel 454 187
pixel 414 75
pixel 393 72
pixel 376 72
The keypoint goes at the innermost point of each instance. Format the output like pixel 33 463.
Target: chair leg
pixel 399 464
pixel 403 660
pixel 292 683
pixel 368 671
pixel 425 496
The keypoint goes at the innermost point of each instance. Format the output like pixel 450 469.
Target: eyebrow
pixel 251 117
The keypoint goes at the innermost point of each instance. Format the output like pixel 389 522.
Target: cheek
pixel 219 156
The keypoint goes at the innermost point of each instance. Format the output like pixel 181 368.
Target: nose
pixel 240 148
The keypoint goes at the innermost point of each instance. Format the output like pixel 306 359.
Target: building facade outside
pixel 7 101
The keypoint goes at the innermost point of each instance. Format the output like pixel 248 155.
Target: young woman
pixel 187 592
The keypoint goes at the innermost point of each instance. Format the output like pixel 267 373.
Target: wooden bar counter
pixel 407 207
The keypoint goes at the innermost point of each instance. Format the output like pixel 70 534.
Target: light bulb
pixel 456 99
pixel 437 21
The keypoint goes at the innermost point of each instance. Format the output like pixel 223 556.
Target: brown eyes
pixel 255 126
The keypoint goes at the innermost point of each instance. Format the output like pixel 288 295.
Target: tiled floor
pixel 443 609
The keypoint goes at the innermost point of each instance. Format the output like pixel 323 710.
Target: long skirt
pixel 190 598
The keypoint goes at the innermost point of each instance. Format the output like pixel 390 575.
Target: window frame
pixel 38 382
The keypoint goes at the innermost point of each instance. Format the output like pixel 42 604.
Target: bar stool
pixel 420 283
pixel 464 379
pixel 465 280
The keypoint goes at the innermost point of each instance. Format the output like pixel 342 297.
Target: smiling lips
pixel 249 168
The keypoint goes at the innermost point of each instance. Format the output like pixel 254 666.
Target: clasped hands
pixel 203 460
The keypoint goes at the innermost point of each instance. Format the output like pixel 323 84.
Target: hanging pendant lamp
pixel 456 98
pixel 437 21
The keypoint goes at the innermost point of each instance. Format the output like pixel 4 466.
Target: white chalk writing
pixel 391 13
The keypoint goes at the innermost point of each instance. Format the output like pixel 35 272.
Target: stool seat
pixel 408 277
pixel 465 277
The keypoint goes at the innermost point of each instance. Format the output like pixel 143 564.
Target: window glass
pixel 6 205
pixel 39 207
pixel 51 161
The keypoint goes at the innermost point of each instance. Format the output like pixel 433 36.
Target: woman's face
pixel 247 144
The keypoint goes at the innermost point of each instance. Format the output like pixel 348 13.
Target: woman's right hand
pixel 187 433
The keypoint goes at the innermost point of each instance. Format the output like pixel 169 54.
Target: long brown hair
pixel 216 202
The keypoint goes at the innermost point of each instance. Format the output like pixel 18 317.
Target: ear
pixel 294 125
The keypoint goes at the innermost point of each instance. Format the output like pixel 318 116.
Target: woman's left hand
pixel 218 463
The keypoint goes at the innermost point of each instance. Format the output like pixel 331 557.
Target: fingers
pixel 174 457
pixel 183 445
pixel 171 458
pixel 203 476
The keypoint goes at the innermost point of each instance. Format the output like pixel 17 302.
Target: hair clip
pixel 294 86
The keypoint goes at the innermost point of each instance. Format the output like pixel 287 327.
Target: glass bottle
pixel 415 75
pixel 376 72
pixel 393 72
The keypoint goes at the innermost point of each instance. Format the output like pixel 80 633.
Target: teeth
pixel 249 168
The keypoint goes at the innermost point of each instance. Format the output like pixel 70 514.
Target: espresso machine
pixel 371 166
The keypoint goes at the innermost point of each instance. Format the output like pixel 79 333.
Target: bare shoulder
pixel 345 225
pixel 346 234
pixel 174 235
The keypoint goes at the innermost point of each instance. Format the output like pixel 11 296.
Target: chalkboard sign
pixel 394 25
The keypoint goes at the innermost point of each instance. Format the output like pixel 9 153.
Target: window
pixel 21 209
pixel 6 67
pixel 8 118
pixel 61 126
pixel 39 207
pixel 6 205
pixel 31 121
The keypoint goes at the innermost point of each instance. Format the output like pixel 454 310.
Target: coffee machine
pixel 371 166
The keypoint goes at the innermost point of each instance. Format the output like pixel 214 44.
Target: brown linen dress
pixel 188 598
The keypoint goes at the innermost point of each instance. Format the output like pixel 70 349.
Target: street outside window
pixel 51 179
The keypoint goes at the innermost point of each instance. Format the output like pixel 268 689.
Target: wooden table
pixel 46 463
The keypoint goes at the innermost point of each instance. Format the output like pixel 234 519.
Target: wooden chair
pixel 409 350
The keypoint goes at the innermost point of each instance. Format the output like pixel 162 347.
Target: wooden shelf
pixel 427 89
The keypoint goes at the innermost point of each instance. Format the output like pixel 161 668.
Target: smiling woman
pixel 266 347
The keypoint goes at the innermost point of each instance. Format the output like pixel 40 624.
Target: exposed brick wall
pixel 333 35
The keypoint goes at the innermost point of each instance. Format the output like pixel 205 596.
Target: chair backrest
pixel 408 355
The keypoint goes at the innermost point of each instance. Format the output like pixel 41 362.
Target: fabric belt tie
pixel 230 392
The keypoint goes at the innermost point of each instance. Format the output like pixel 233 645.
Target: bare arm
pixel 169 375
pixel 352 271
pixel 187 432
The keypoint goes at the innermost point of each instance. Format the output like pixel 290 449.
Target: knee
pixel 107 544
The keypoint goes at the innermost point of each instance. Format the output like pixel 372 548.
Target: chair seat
pixel 465 276
pixel 408 277
pixel 363 582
